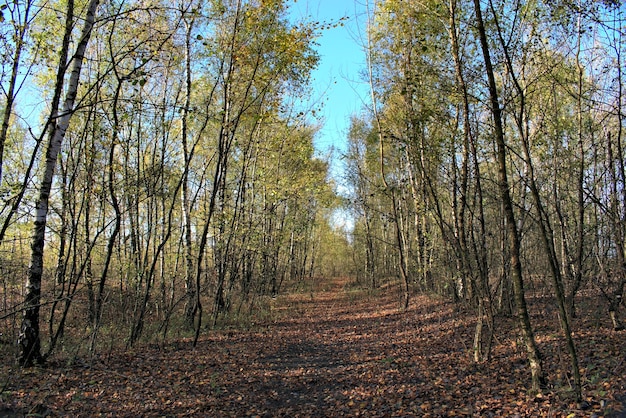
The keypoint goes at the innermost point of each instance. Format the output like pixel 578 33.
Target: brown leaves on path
pixel 336 352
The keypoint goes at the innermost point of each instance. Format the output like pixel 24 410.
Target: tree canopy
pixel 159 177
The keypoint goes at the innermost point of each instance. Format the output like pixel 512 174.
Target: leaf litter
pixel 335 352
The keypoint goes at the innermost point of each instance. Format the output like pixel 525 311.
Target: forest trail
pixel 334 351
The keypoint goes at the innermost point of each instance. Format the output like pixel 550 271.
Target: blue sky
pixel 337 80
pixel 338 77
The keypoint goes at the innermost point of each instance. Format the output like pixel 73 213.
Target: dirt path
pixel 333 352
pixel 332 357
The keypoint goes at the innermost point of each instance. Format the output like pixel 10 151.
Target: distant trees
pixel 502 135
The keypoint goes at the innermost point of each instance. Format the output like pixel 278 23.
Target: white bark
pixel 28 340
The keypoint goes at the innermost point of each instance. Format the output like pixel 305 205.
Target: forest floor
pixel 336 351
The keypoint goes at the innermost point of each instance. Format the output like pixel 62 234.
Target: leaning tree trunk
pixel 481 283
pixel 532 352
pixel 190 290
pixel 543 220
pixel 29 340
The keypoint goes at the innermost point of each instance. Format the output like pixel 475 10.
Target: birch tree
pixel 29 339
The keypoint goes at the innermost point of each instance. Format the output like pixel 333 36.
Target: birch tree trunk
pixel 481 287
pixel 543 220
pixel 392 190
pixel 29 340
pixel 521 310
pixel 190 290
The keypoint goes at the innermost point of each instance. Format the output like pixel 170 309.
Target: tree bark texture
pixel 521 310
pixel 29 340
